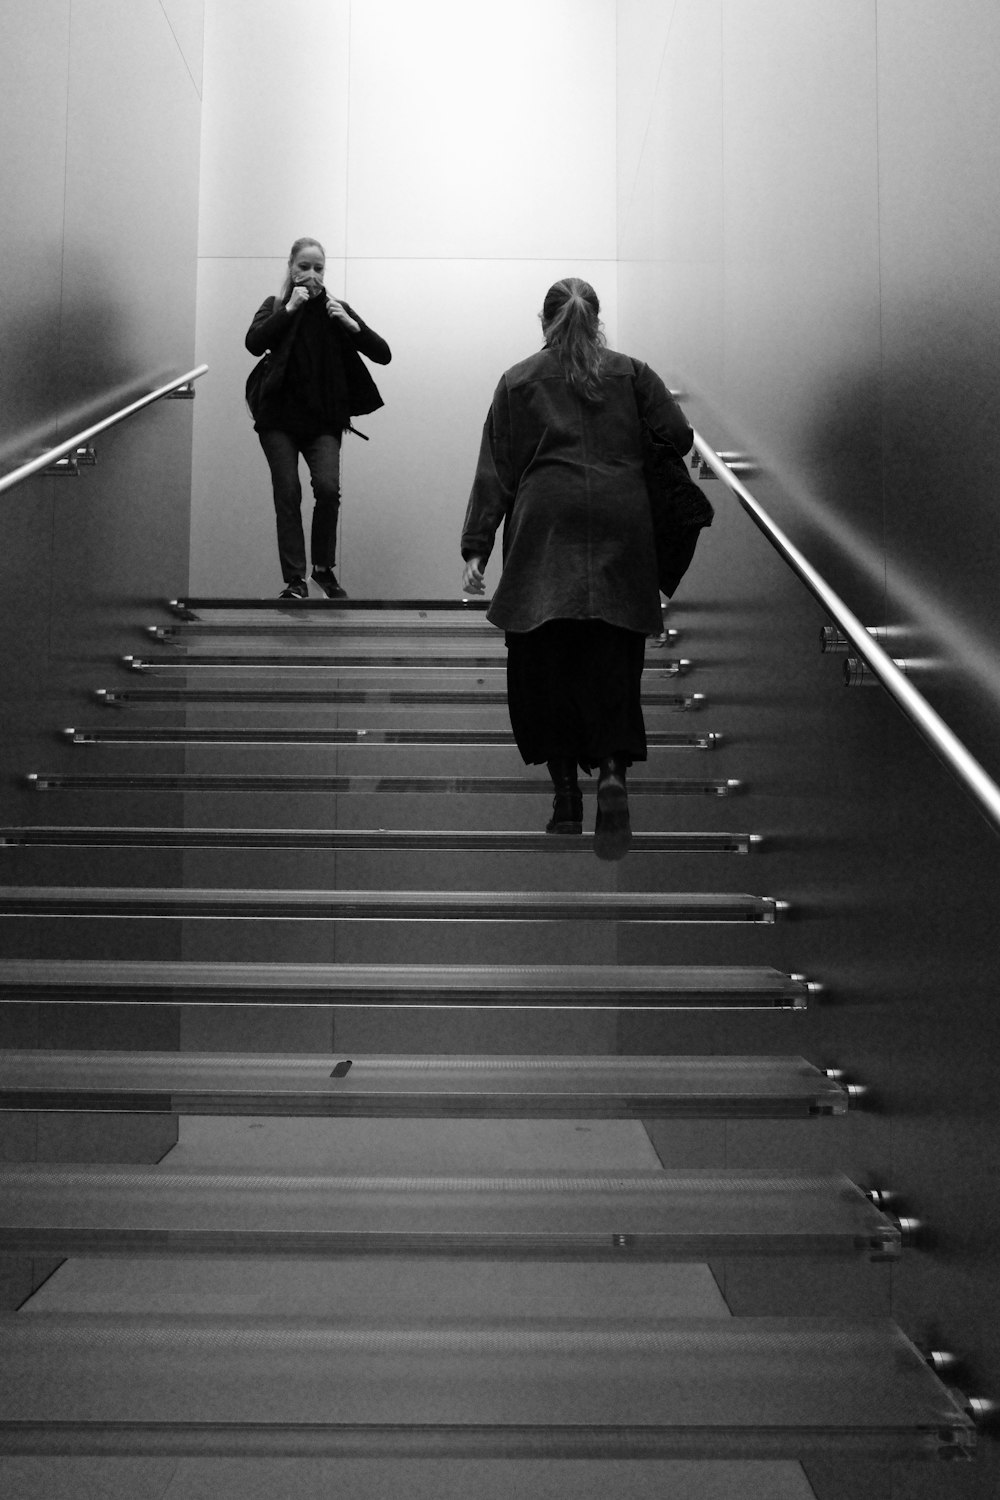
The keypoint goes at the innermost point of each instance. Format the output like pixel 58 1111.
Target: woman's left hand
pixel 335 309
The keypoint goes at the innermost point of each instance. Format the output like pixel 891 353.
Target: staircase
pixel 363 924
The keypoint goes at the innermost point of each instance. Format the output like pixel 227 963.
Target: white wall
pixel 454 160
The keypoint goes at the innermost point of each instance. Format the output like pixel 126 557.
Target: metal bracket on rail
pixel 83 457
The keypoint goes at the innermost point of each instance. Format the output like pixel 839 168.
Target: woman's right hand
pixel 472 577
pixel 299 295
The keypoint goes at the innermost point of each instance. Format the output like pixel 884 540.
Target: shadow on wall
pixel 75 350
pixel 932 538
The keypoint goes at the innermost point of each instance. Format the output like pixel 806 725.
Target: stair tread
pixel 705 1387
pixel 375 1084
pixel 322 658
pixel 330 625
pixel 489 905
pixel 320 735
pixel 59 1209
pixel 407 609
pixel 635 986
pixel 451 695
pixel 367 838
pixel 364 785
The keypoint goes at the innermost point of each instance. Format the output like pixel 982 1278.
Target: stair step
pixel 450 840
pixel 660 739
pixel 332 625
pixel 48 1209
pixel 441 786
pixel 386 905
pixel 323 661
pixel 338 625
pixel 409 610
pixel 224 1384
pixel 450 1087
pixel 328 697
pixel 602 986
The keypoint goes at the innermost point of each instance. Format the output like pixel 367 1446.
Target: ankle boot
pixel 613 828
pixel 567 804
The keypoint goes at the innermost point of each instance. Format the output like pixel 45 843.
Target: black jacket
pixel 274 330
pixel 566 479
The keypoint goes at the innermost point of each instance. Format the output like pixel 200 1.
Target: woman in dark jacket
pixel 561 465
pixel 313 383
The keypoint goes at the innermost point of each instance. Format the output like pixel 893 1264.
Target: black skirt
pixel 574 691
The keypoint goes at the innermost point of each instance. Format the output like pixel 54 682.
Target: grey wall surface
pixel 100 122
pixel 100 119
pixel 808 223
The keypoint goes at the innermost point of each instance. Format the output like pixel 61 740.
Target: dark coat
pixel 273 329
pixel 566 478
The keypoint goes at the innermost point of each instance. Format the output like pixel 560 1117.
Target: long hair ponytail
pixel 571 324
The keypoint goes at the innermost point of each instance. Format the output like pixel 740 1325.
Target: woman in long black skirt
pixel 561 465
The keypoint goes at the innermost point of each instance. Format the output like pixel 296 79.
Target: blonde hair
pixel 300 245
pixel 571 324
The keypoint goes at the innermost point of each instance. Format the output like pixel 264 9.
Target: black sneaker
pixel 295 588
pixel 326 579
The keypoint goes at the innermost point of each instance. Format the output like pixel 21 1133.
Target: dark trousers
pixel 322 456
pixel 574 692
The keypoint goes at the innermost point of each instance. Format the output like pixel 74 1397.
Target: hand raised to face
pixel 337 310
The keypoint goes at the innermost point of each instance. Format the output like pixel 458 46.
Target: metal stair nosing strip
pixel 49 1209
pixel 265 1385
pixel 473 697
pixel 411 608
pixel 330 627
pixel 325 662
pixel 450 840
pixel 377 1086
pixel 447 786
pixel 151 734
pixel 570 987
pixel 60 902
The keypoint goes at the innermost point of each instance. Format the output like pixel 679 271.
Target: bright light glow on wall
pixel 482 131
pixel 455 159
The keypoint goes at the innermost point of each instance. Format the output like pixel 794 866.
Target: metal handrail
pixel 80 439
pixel 945 744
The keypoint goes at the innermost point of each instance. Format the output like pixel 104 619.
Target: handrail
pixel 43 461
pixel 946 745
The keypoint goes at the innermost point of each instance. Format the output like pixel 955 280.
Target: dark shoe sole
pixel 564 826
pixel 613 828
pixel 612 835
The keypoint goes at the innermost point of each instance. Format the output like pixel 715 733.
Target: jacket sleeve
pixel 493 488
pixel 366 340
pixel 660 410
pixel 269 326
